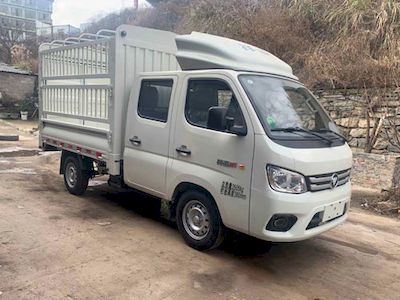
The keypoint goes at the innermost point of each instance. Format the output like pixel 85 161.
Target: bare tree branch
pixel 8 39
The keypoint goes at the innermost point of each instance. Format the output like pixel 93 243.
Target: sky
pixel 75 12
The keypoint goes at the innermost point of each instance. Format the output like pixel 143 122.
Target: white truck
pixel 222 130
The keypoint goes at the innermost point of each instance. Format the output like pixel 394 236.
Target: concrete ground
pixel 110 245
pixel 26 130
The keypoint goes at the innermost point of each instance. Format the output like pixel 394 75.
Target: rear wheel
pixel 199 221
pixel 75 178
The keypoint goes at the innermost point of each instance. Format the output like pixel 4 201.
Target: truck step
pixel 118 183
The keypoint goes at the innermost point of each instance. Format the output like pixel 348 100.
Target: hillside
pixel 330 44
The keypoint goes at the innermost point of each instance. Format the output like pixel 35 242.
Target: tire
pixel 75 178
pixel 199 221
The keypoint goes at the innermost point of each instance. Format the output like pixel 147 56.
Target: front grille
pixel 323 182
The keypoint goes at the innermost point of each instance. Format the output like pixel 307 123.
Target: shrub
pixel 329 43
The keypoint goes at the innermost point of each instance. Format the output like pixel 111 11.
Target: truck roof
pixel 200 51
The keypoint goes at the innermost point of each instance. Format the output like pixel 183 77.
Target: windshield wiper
pixel 299 129
pixel 334 132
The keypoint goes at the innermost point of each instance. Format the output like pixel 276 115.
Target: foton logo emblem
pixel 334 181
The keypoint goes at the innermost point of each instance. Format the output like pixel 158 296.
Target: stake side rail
pixel 76 95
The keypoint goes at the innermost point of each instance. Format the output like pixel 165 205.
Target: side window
pixel 154 99
pixel 210 93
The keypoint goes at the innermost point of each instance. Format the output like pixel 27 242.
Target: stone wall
pixel 375 171
pixel 348 109
pixel 17 86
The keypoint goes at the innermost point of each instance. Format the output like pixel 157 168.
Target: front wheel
pixel 199 221
pixel 75 179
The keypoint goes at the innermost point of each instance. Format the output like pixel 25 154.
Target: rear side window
pixel 154 99
pixel 207 93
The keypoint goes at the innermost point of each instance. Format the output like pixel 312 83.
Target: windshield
pixel 282 105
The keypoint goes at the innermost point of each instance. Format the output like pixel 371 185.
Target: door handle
pixel 183 150
pixel 135 140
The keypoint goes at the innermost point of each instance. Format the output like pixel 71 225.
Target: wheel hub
pixel 71 175
pixel 196 219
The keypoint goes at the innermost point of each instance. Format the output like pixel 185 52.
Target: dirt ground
pixel 110 245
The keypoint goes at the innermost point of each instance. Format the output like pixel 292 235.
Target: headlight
pixel 286 181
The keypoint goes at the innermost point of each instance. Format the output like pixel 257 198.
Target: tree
pixel 113 20
pixel 8 39
pixel 155 2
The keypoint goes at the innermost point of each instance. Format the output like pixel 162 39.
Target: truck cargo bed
pixel 85 85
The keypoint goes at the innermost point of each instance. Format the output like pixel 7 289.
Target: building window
pixel 19 24
pixel 30 3
pixel 30 14
pixel 3 9
pixel 17 2
pixel 5 22
pixel 44 5
pixel 12 22
pixel 31 26
pixel 44 17
pixel 16 11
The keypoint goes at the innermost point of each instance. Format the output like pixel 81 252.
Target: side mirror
pixel 216 118
pixel 235 129
pixel 230 122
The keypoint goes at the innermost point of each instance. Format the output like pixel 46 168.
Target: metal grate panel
pixel 323 182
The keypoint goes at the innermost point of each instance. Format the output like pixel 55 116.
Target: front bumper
pixel 265 204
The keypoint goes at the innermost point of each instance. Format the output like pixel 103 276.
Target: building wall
pixel 17 86
pixel 23 14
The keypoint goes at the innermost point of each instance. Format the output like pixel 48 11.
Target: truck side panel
pixel 137 50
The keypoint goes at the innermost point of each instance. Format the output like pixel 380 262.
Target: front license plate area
pixel 333 210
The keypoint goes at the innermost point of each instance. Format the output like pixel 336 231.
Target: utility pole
pixel 136 4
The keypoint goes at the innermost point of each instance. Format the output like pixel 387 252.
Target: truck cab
pixel 231 139
pixel 235 137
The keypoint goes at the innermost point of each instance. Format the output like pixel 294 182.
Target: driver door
pixel 221 160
